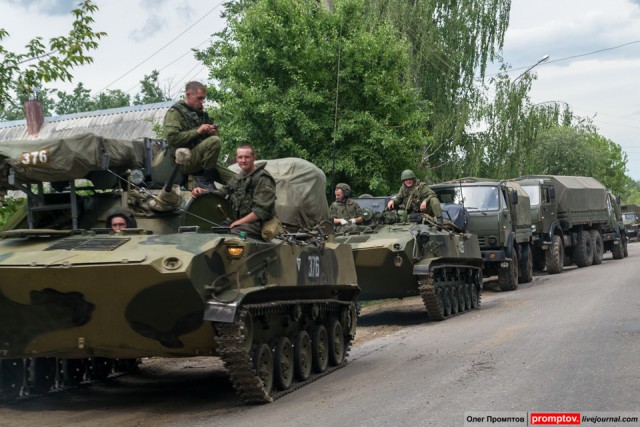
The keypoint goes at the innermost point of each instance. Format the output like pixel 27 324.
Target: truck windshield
pixel 534 194
pixel 475 198
pixel 630 216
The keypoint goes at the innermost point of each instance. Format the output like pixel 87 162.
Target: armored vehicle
pixel 630 219
pixel 576 220
pixel 499 214
pixel 79 301
pixel 397 259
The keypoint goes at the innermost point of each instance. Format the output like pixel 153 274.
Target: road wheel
pixel 42 374
pixel 554 256
pixel 526 264
pixel 508 277
pixel 475 297
pixel 582 254
pixel 100 368
pixel 303 356
pixel 320 349
pixel 336 344
pixel 454 299
pixel 467 295
pixel 11 377
pixel 283 367
pixel 263 364
pixel 461 299
pixel 73 371
pixel 598 246
pixel 446 299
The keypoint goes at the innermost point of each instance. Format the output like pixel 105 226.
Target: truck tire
pixel 554 256
pixel 582 254
pixel 525 266
pixel 508 277
pixel 598 246
pixel 618 250
pixel 625 250
pixel 538 259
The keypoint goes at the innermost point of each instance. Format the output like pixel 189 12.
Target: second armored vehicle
pixel 438 262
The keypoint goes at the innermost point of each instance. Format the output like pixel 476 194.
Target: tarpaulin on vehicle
pixel 300 191
pixel 576 193
pixel 65 159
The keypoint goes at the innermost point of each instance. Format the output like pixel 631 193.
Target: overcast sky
pixel 144 35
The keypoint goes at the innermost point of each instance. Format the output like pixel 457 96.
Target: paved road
pixel 568 342
pixel 563 342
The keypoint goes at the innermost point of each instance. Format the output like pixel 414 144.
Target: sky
pixel 593 48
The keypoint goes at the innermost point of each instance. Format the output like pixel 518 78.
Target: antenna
pixel 335 112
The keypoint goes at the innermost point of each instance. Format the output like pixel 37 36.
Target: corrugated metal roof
pixel 121 123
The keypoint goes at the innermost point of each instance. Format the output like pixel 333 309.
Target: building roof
pixel 119 123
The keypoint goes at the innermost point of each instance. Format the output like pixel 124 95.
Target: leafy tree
pixel 112 98
pixel 297 80
pixel 15 111
pixel 150 91
pixel 23 73
pixel 78 101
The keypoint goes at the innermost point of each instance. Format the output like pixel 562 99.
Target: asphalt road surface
pixel 567 342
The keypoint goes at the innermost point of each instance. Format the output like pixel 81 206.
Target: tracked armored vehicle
pixel 79 301
pixel 398 259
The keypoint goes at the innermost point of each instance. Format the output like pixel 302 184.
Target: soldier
pixel 121 218
pixel 416 197
pixel 187 124
pixel 345 212
pixel 252 194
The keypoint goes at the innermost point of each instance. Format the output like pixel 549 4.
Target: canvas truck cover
pixel 631 207
pixel 300 191
pixel 65 159
pixel 522 210
pixel 576 193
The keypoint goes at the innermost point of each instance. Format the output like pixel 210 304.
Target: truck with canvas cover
pixel 79 301
pixel 576 220
pixel 631 220
pixel 396 258
pixel 499 215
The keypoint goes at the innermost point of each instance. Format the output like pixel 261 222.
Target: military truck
pixel 499 214
pixel 630 219
pixel 576 220
pixel 79 301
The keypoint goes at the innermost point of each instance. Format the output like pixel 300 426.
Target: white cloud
pixel 52 7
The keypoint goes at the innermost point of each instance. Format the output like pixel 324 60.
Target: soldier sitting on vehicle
pixel 187 124
pixel 119 219
pixel 345 213
pixel 416 198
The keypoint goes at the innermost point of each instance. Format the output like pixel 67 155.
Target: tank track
pixel 231 337
pixel 442 287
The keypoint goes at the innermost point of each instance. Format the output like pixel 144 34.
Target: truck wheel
pixel 625 250
pixel 525 264
pixel 554 256
pixel 598 246
pixel 508 277
pixel 538 259
pixel 582 254
pixel 618 250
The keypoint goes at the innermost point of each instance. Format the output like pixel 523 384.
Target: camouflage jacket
pixel 347 209
pixel 255 193
pixel 411 198
pixel 181 123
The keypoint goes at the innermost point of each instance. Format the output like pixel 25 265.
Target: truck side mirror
pixel 514 197
pixel 552 193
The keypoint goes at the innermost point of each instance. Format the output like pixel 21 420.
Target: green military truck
pixel 630 219
pixel 575 220
pixel 499 214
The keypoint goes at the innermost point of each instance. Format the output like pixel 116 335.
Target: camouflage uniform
pixel 411 198
pixel 180 129
pixel 346 209
pixel 255 193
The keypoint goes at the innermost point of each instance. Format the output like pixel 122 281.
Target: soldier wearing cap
pixel 346 213
pixel 416 197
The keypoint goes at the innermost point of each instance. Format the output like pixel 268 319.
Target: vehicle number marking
pixel 35 158
pixel 314 266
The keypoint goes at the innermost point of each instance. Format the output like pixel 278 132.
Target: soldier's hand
pixel 343 221
pixel 197 191
pixel 423 206
pixel 390 204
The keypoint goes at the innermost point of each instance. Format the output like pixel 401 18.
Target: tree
pixel 150 91
pixel 297 80
pixel 23 73
pixel 76 102
pixel 112 98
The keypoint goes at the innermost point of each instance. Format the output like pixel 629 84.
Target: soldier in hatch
pixel 416 197
pixel 346 213
pixel 187 124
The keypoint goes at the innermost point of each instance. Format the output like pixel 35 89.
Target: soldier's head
pixel 342 192
pixel 246 158
pixel 195 94
pixel 121 218
pixel 408 178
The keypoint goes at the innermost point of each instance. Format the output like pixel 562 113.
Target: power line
pixel 162 48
